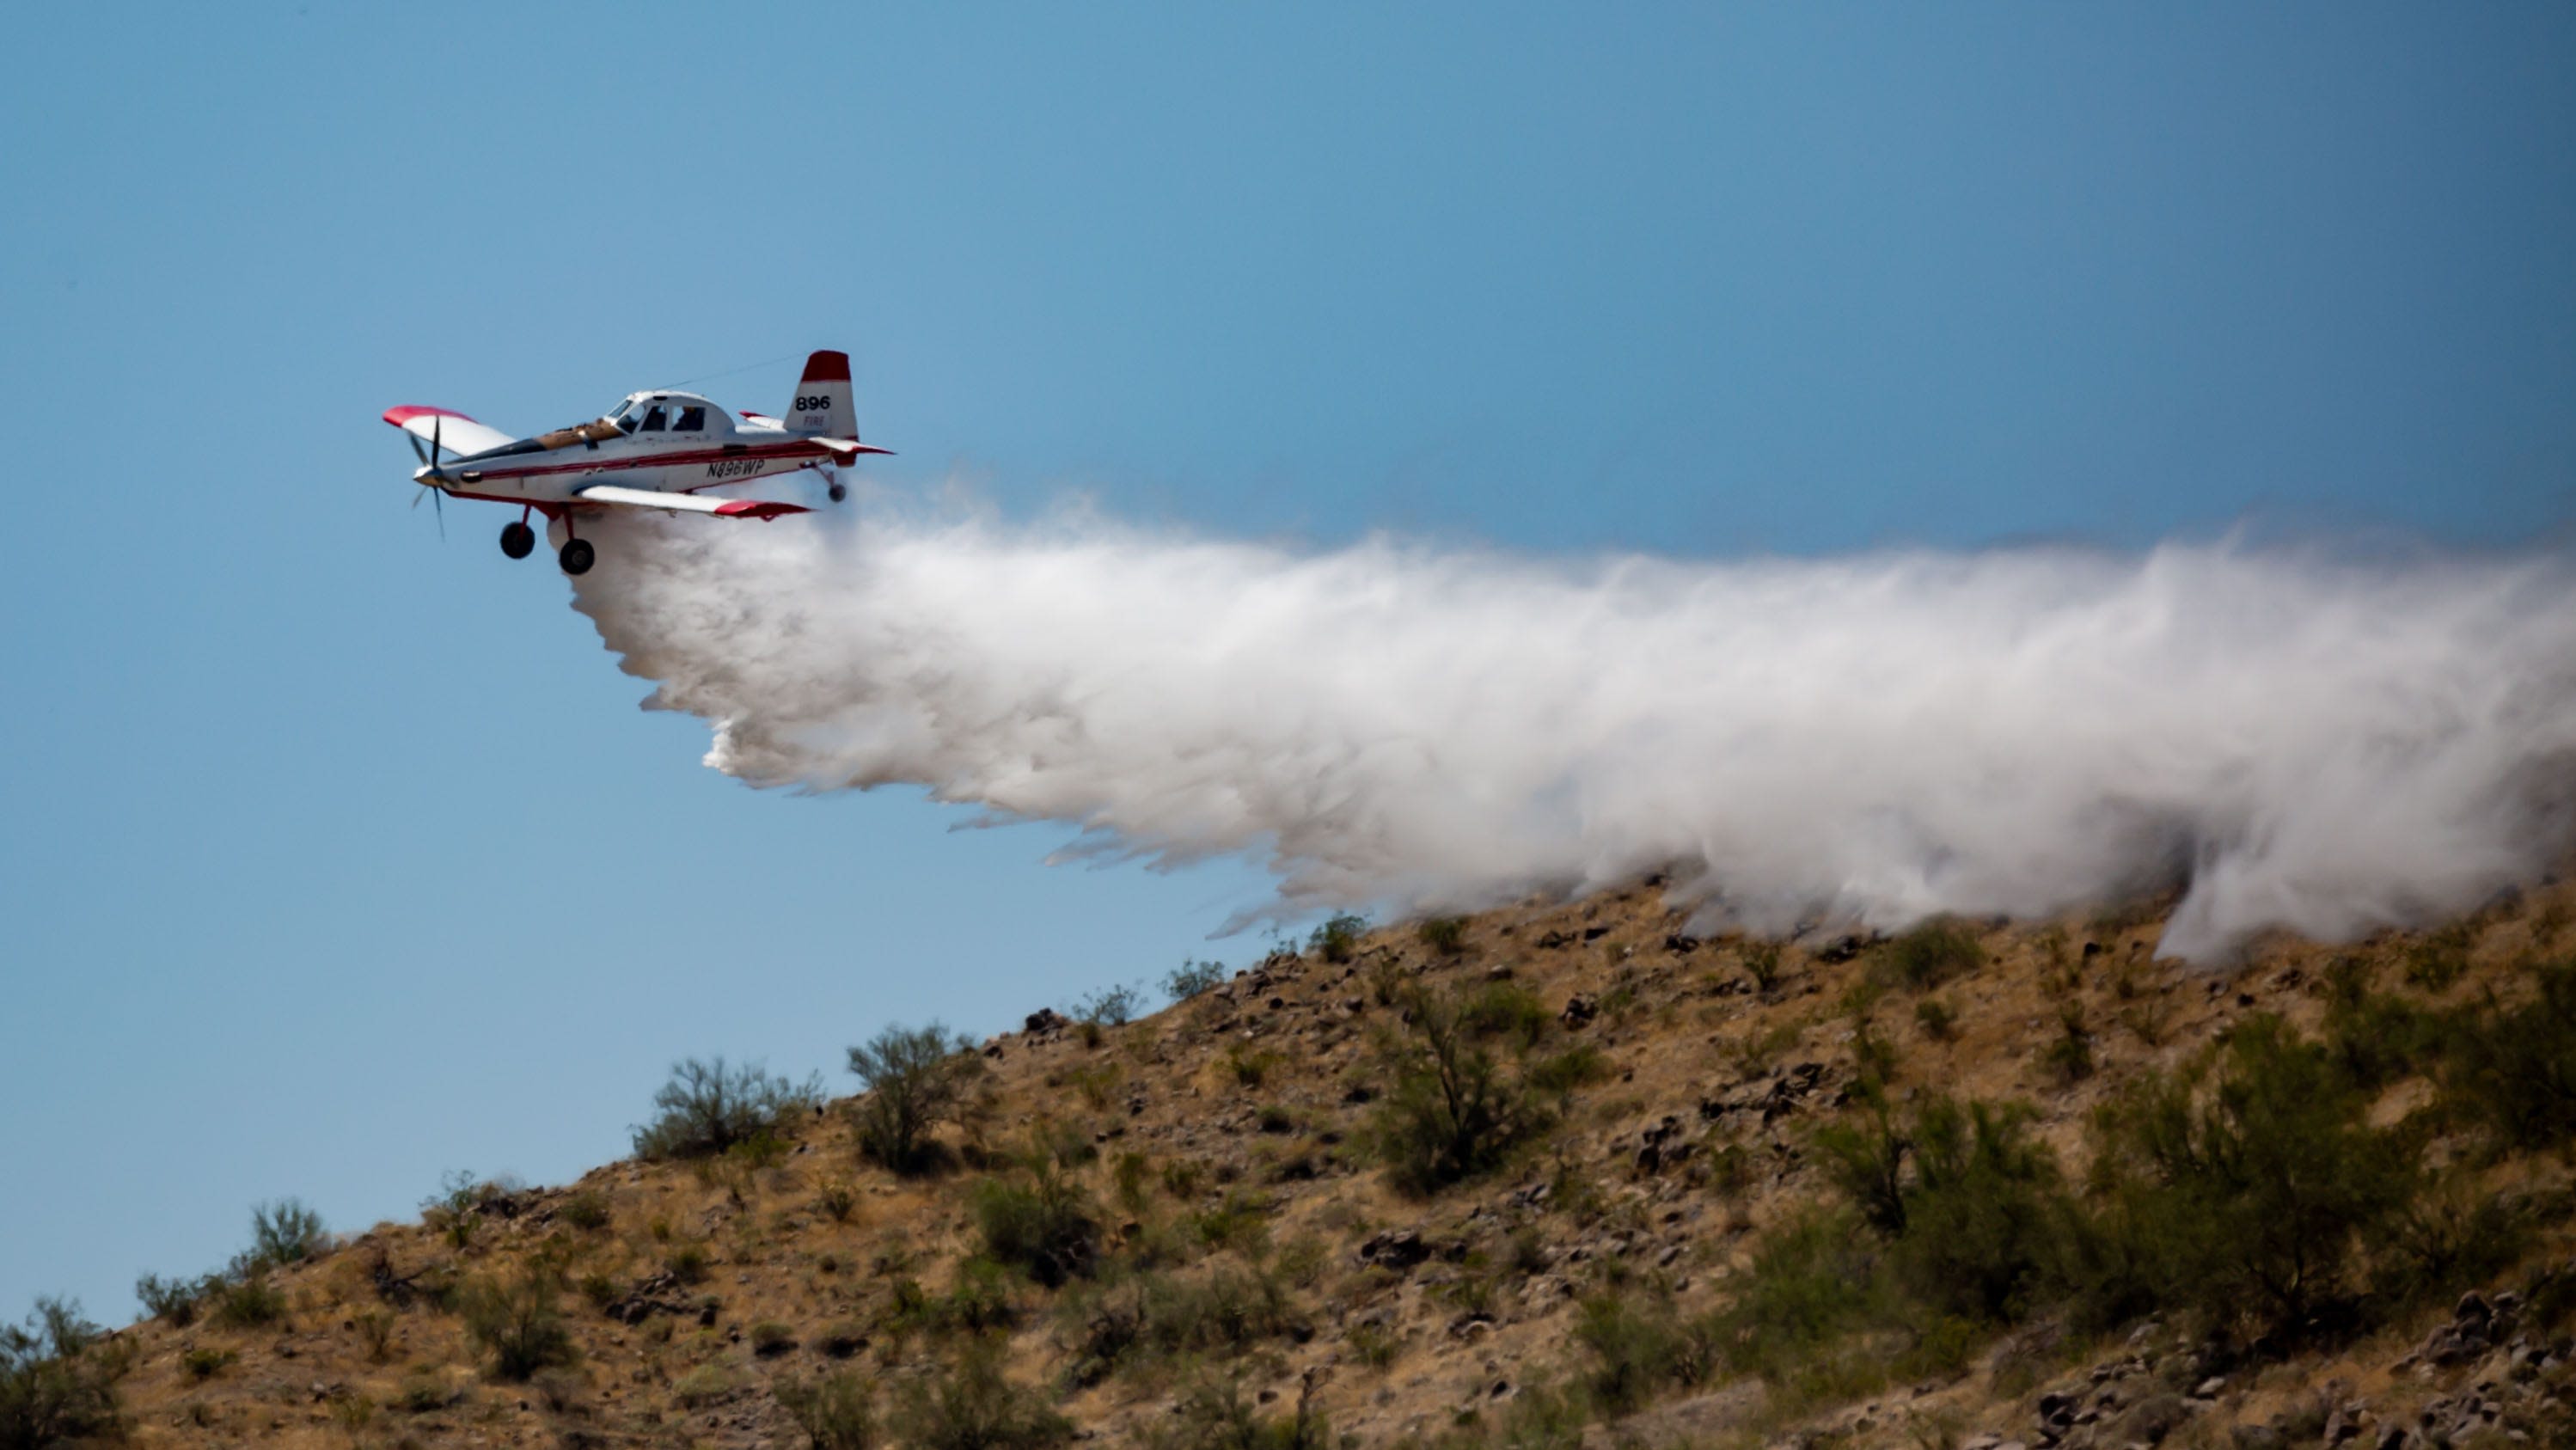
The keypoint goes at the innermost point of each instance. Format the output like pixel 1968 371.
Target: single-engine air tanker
pixel 655 450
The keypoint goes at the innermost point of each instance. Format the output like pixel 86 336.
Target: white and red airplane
pixel 656 450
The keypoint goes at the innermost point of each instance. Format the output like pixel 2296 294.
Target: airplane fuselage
pixel 553 467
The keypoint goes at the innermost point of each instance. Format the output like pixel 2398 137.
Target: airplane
pixel 658 449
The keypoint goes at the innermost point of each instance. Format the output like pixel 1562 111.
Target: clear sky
pixel 332 859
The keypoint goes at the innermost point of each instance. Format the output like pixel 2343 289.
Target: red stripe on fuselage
pixel 801 448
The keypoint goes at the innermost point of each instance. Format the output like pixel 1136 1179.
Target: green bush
pixel 1639 1347
pixel 204 1362
pixel 1215 1414
pixel 2514 1070
pixel 1189 979
pixel 1508 1011
pixel 176 1300
pixel 2376 1037
pixel 1936 1018
pixel 53 1388
pixel 1562 1072
pixel 1451 1110
pixel 1109 1007
pixel 250 1302
pixel 973 1406
pixel 586 1210
pixel 516 1322
pixel 1932 953
pixel 915 1079
pixel 2241 1187
pixel 1446 935
pixel 1812 1281
pixel 836 1412
pixel 1338 938
pixel 1042 1222
pixel 281 1233
pixel 1983 1214
pixel 1762 964
pixel 769 1337
pixel 707 1107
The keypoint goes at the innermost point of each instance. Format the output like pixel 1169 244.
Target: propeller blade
pixel 438 506
pixel 416 450
pixel 415 498
pixel 434 421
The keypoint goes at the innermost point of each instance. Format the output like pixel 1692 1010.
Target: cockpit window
pixel 654 419
pixel 691 420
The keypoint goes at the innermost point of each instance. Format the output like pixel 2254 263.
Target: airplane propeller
pixel 431 458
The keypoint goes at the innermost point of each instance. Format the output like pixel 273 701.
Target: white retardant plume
pixel 2296 741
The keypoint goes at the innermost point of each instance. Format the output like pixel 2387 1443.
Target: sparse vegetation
pixel 1446 935
pixel 1191 978
pixel 1039 1221
pixel 54 1387
pixel 514 1319
pixel 1451 1109
pixel 916 1078
pixel 974 1406
pixel 1338 938
pixel 1109 1007
pixel 836 1411
pixel 1932 953
pixel 707 1107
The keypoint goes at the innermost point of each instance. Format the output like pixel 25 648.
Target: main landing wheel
pixel 577 556
pixel 518 540
pixel 840 491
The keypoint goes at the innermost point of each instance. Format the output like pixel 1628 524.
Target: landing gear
pixel 517 539
pixel 839 490
pixel 577 556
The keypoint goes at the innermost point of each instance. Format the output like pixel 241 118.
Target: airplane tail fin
pixel 822 403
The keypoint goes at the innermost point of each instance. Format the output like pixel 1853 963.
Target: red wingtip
pixel 828 367
pixel 400 416
pixel 753 508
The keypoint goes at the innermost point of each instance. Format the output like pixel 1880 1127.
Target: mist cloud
pixel 2299 741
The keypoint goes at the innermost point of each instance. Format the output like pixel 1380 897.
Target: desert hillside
pixel 1554 1175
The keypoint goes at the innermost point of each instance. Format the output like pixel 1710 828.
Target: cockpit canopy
pixel 668 412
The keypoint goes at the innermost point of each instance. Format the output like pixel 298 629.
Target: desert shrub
pixel 770 1337
pixel 176 1300
pixel 2069 1055
pixel 1040 1222
pixel 250 1302
pixel 1373 1344
pixel 1866 1160
pixel 686 1262
pixel 2376 1037
pixel 2453 1233
pixel 836 1412
pixel 1110 1006
pixel 53 1387
pixel 586 1210
pixel 1811 1282
pixel 1637 1347
pixel 1215 1414
pixel 1241 1222
pixel 1932 953
pixel 1562 1072
pixel 2241 1186
pixel 451 1210
pixel 707 1107
pixel 1508 1011
pixel 1446 935
pixel 281 1233
pixel 2437 959
pixel 205 1362
pixel 1189 979
pixel 974 1406
pixel 1936 1019
pixel 1762 964
pixel 1451 1110
pixel 2514 1069
pixel 1983 1213
pixel 703 1386
pixel 1251 1066
pixel 1338 938
pixel 375 1331
pixel 837 1201
pixel 916 1077
pixel 516 1322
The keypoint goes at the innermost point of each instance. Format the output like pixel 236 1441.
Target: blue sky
pixel 332 859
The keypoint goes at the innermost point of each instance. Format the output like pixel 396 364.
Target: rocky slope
pixel 1244 1265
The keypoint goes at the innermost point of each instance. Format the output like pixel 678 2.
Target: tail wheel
pixel 518 540
pixel 577 556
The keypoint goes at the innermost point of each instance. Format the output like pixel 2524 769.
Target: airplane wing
pixel 688 503
pixel 847 450
pixel 457 433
